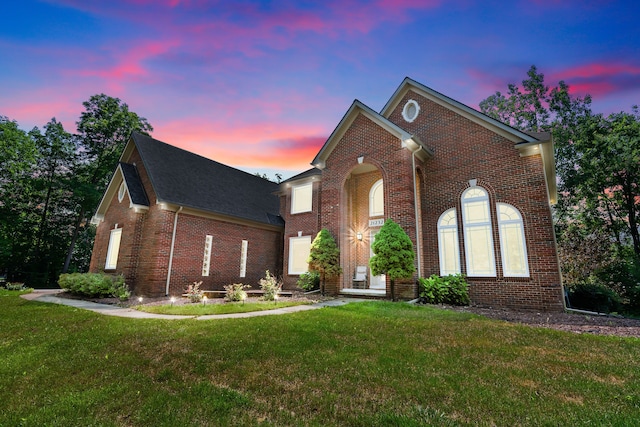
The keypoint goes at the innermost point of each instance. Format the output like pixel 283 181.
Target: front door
pixel 379 281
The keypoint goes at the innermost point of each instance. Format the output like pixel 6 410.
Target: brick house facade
pixel 473 195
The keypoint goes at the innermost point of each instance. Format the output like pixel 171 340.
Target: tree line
pixel 51 182
pixel 598 167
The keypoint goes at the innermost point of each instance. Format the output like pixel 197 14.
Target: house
pixel 473 194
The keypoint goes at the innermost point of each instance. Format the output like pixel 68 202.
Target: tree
pixel 393 254
pixel 598 168
pixel 324 257
pixel 17 164
pixel 103 131
pixel 56 158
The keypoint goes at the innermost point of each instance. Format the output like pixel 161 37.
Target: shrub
pixel 94 285
pixel 14 286
pixel 452 289
pixel 595 297
pixel 194 293
pixel 236 292
pixel 270 286
pixel 309 280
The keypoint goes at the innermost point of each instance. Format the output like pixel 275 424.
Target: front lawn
pixel 364 364
pixel 201 309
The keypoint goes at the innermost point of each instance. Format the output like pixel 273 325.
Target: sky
pixel 260 85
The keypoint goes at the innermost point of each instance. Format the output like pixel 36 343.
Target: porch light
pixel 359 236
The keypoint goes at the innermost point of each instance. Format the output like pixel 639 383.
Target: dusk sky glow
pixel 260 85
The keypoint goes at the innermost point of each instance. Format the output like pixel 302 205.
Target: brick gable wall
pixel 464 150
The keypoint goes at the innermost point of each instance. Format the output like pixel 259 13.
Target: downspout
pixel 415 207
pixel 173 242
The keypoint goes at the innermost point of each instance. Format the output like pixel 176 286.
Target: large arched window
pixel 376 199
pixel 478 238
pixel 448 247
pixel 512 243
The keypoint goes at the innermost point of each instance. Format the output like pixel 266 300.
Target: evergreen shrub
pixel 452 289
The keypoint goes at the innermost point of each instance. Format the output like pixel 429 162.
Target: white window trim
pixel 300 188
pixel 465 232
pixel 372 191
pixel 291 244
pixel 243 258
pixel 441 252
pixel 405 111
pixel 121 191
pixel 113 249
pixel 503 245
pixel 206 257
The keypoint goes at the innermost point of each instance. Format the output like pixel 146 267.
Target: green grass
pixel 216 308
pixel 364 364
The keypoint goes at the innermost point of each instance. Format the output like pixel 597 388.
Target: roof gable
pixel 128 176
pixel 527 143
pixel 182 178
pixel 347 120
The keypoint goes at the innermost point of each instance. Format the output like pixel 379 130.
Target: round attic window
pixel 121 192
pixel 410 110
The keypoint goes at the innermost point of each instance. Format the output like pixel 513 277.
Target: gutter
pixel 173 242
pixel 415 208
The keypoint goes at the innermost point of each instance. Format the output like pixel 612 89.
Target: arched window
pixel 448 247
pixel 478 240
pixel 512 243
pixel 376 199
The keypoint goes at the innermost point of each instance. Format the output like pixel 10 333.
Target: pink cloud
pixel 600 79
pixel 289 147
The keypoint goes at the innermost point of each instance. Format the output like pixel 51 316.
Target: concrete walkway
pixel 49 295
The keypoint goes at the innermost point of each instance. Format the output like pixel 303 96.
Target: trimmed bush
pixel 94 285
pixel 236 292
pixel 194 293
pixel 594 297
pixel 452 289
pixel 270 286
pixel 309 281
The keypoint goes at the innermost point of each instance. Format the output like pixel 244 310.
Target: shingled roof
pixel 187 179
pixel 134 185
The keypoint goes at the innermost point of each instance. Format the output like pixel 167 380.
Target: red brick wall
pixel 146 241
pixel 264 251
pixel 464 150
pixel 307 222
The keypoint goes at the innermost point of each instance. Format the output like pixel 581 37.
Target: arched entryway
pixel 364 198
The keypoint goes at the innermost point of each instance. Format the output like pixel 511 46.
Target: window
pixel 243 258
pixel 121 191
pixel 299 248
pixel 410 111
pixel 376 199
pixel 478 240
pixel 448 246
pixel 113 249
pixel 512 243
pixel 301 198
pixel 206 260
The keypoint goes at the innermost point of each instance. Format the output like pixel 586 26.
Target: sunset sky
pixel 260 85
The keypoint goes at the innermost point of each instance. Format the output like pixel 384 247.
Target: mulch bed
pixel 563 321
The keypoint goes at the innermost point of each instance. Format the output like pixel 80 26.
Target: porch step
pixel 364 292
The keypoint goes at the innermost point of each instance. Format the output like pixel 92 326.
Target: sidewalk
pixel 49 295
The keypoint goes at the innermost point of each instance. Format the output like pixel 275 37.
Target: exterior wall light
pixel 359 236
